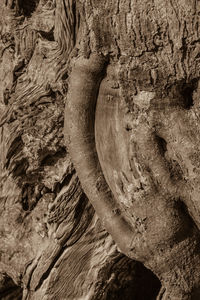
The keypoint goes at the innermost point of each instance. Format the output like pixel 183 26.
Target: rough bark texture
pixel 112 211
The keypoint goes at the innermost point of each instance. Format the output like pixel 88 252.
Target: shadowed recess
pixel 186 91
pixel 28 6
pixel 9 290
pixel 162 144
pixel 128 277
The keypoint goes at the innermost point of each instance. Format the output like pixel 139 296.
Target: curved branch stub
pixel 79 131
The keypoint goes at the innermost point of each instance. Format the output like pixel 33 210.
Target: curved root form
pixel 79 126
pixel 169 245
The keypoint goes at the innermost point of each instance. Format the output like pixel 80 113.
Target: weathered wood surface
pixel 128 72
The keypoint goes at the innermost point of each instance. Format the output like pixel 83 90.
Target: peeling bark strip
pixel 79 126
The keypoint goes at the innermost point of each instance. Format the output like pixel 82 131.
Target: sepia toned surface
pixel 99 145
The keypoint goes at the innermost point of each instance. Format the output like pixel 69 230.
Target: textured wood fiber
pixel 53 246
pixel 146 117
pixel 145 144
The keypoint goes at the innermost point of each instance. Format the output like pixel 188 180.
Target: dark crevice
pixel 80 208
pixel 75 21
pixel 189 227
pixel 162 145
pixel 128 127
pixel 126 284
pixel 64 76
pixel 15 147
pixel 65 182
pixel 80 223
pixel 28 191
pixel 187 94
pixel 6 96
pixel 28 6
pixel 9 290
pixel 149 281
pixel 176 172
pixel 18 70
pixel 31 194
pixel 81 205
pixel 51 266
pixel 13 4
pixel 189 221
pixel 51 158
pixel 47 35
pixel 20 168
pixel 181 93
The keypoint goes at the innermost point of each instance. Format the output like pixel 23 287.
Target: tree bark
pixel 99 146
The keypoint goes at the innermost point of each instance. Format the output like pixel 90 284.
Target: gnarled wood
pixel 129 74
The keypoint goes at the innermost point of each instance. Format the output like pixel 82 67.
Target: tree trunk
pixel 99 150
